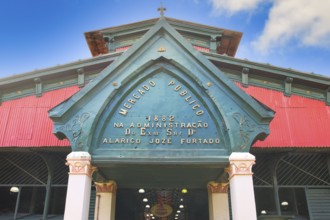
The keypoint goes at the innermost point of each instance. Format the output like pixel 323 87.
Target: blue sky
pixel 37 34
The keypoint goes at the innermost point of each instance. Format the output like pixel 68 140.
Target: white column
pixel 105 206
pixel 218 201
pixel 79 186
pixel 241 186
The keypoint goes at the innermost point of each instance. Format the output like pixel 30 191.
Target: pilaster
pixel 241 186
pixel 105 206
pixel 79 186
pixel 218 201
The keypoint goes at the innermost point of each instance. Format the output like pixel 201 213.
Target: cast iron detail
pixel 245 128
pixel 75 127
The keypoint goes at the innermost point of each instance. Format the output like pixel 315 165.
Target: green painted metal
pixel 140 28
pixel 59 70
pixel 306 84
pixel 288 86
pixel 245 77
pixel 38 87
pixel 54 78
pixel 327 95
pixel 81 77
pixel 271 77
pixel 197 34
pixel 265 67
pixel 161 75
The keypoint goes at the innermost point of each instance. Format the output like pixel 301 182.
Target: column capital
pixel 80 163
pixel 215 187
pixel 106 187
pixel 240 164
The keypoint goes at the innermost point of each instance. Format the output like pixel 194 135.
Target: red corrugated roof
pixel 298 122
pixel 24 122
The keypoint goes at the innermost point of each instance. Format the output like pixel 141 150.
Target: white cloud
pixel 231 7
pixel 307 21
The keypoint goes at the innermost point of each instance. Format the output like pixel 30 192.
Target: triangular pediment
pixel 161 99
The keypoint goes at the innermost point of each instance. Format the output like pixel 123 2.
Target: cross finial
pixel 161 10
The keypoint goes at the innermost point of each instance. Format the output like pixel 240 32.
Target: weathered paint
pixel 298 122
pixel 199 92
pixel 25 123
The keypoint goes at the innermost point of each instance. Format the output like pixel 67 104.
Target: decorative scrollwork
pixel 245 128
pixel 75 127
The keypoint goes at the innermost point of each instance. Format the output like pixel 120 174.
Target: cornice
pixel 146 24
pixel 109 39
pixel 287 72
pixel 304 84
pixel 240 70
pixel 288 81
pixel 55 70
pixel 39 81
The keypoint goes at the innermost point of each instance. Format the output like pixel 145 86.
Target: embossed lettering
pixel 132 101
pixel 123 111
pixel 118 125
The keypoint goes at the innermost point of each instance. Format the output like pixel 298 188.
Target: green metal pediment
pixel 161 101
pixel 162 111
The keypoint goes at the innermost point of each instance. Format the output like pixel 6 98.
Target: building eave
pixel 61 76
pixel 312 77
pixel 55 70
pixel 228 40
pixel 287 80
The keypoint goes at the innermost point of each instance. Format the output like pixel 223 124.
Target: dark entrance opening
pixel 162 204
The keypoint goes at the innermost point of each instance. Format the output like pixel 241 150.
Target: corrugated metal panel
pixel 298 122
pixel 122 48
pixel 204 49
pixel 4 114
pixel 25 123
pixel 318 204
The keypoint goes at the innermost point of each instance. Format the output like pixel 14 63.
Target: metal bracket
pixel 215 42
pixel 288 86
pixel 81 77
pixel 38 85
pixel 327 96
pixel 245 77
pixel 110 43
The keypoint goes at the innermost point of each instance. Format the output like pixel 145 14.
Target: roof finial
pixel 161 10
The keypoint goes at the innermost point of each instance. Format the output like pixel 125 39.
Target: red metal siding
pixel 204 49
pixel 298 122
pixel 24 122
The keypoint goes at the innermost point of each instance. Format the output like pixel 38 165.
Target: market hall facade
pixel 164 123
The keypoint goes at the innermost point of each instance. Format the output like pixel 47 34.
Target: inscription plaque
pixel 161 112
